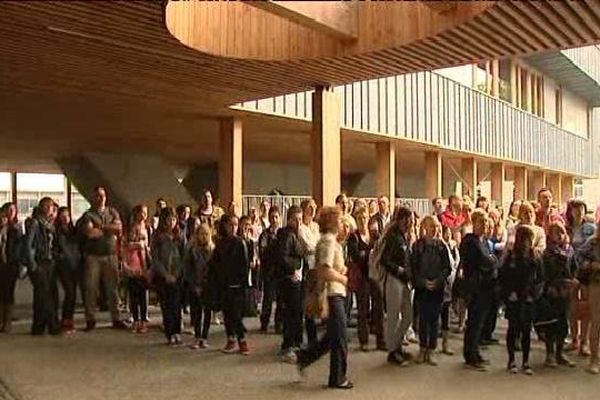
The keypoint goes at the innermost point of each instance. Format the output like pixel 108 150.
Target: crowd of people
pixel 409 277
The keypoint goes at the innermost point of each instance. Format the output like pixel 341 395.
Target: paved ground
pixel 111 365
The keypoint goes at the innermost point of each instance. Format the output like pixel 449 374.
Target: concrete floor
pixel 109 365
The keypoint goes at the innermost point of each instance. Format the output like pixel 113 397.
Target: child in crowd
pixel 558 280
pixel 430 266
pixel 521 283
pixel 195 274
pixel 454 256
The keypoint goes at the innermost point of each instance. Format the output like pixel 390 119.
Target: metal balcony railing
pixel 429 108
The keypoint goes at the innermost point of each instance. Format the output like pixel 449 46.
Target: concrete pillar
pixel 326 164
pixel 554 183
pixel 568 188
pixel 538 182
pixel 521 183
pixel 13 187
pixel 469 172
pixel 231 163
pixel 386 170
pixel 433 174
pixel 498 177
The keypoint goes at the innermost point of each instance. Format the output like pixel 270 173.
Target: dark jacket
pixel 477 263
pixel 290 251
pixel 395 258
pixel 358 253
pixel 40 241
pixel 166 256
pixel 523 276
pixel 196 269
pixel 231 263
pixel 557 269
pixel 267 249
pixel 429 261
pixel 66 250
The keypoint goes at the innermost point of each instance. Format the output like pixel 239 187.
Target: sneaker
pixel 573 346
pixel 565 362
pixel 196 345
pixel 395 358
pixel 347 385
pixel 527 370
pixel 176 340
pixel 244 350
pixel 593 369
pixel 476 366
pixel 431 358
pixel 550 362
pixel 118 324
pixel 512 368
pixel 90 326
pixel 230 347
pixel 290 357
pixel 584 351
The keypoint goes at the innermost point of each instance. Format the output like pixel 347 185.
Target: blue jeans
pixel 335 341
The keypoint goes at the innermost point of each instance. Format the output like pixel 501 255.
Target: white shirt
pixel 310 235
pixel 329 252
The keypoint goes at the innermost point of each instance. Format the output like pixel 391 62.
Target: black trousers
pixel 171 308
pixel 137 298
pixel 478 309
pixel 430 308
pixel 446 316
pixel 234 300
pixel 200 314
pixel 45 307
pixel 520 315
pixel 67 276
pixel 8 283
pixel 370 312
pixel 271 294
pixel 335 340
pixel 291 294
pixel 490 321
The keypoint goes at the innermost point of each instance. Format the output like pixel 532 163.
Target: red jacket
pixel 545 218
pixel 452 221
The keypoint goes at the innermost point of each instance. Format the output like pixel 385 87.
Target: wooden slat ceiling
pixel 82 73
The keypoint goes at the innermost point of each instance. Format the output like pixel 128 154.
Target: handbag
pixel 316 303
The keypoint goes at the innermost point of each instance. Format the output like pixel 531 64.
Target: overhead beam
pixel 337 19
pixel 440 6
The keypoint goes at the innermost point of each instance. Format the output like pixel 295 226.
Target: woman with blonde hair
pixel 196 264
pixel 527 217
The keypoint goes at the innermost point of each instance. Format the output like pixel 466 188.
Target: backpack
pixel 376 272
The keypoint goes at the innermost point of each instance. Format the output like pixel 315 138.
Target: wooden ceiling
pixel 94 75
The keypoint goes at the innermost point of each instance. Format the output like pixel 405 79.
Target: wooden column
pixel 469 172
pixel 534 94
pixel 474 72
pixel 231 163
pixel 326 164
pixel 433 174
pixel 538 182
pixel 488 77
pixel 386 170
pixel 13 187
pixel 527 99
pixel 554 183
pixel 495 78
pixel 513 83
pixel 498 177
pixel 519 86
pixel 568 188
pixel 521 183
